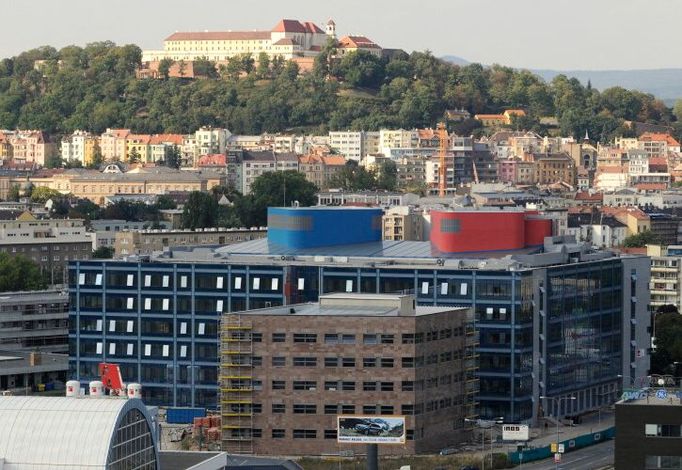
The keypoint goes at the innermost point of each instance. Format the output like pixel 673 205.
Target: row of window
pixel 149 350
pixel 151 327
pixel 370 338
pixel 296 433
pixel 367 386
pixel 367 362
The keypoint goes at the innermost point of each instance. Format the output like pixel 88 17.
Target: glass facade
pixel 160 321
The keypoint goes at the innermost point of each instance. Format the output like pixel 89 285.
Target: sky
pixel 540 34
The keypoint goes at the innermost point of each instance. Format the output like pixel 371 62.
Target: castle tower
pixel 331 28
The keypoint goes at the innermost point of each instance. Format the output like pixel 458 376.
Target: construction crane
pixel 442 150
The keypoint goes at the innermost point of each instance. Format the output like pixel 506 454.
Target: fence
pixel 575 443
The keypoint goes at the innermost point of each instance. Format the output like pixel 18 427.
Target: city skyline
pixel 578 35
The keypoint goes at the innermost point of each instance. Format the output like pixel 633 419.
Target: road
pixel 589 458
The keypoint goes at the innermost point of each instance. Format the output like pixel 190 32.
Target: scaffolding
pixel 471 384
pixel 236 384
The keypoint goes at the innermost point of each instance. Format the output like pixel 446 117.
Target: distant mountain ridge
pixel 665 84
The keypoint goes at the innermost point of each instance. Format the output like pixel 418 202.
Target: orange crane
pixel 111 378
pixel 442 150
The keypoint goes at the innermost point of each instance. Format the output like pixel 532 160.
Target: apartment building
pixel 666 276
pixel 555 168
pixel 34 321
pixel 348 144
pixel 288 372
pixel 402 223
pixel 50 243
pixel 145 242
pixel 30 146
pixel 103 231
pixel 79 147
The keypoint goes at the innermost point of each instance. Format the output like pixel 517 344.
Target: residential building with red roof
pixel 349 44
pixel 658 144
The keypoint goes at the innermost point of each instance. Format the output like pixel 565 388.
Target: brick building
pixel 287 372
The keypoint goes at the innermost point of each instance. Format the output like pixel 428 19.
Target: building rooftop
pixel 356 305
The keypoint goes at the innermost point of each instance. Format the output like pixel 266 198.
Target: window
pixel 305 434
pixel 348 386
pixel 278 384
pixel 348 339
pixel 663 430
pixel 279 408
pixel 386 362
pixel 369 362
pixel 279 361
pixel 331 339
pixel 348 362
pixel 369 386
pixel 370 339
pixel 387 339
pixel 305 338
pixel 347 409
pixel 330 433
pixel 369 409
pixel 305 409
pixel 330 409
pixel 408 362
pixel 386 410
pixel 304 385
pixel 279 337
pixel 305 361
pixel 278 433
pixel 331 386
pixel 386 386
pixel 407 409
pixel 331 361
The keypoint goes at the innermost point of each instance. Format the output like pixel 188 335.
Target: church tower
pixel 331 28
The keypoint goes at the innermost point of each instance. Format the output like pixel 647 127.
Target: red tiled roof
pixel 165 139
pixel 312 27
pixel 334 160
pixel 661 161
pixel 357 42
pixel 219 36
pixel 289 26
pixel 656 137
pixel 284 42
pixel 585 196
pixel 215 159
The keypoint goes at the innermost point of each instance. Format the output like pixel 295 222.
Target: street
pixel 590 458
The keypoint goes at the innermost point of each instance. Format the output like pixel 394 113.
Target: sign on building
pixel 371 429
pixel 515 432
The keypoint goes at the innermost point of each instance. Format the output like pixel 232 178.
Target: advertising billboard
pixel 515 432
pixel 374 429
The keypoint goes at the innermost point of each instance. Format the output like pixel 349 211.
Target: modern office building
pixel 34 321
pixel 649 428
pixel 287 372
pixel 103 231
pixel 556 319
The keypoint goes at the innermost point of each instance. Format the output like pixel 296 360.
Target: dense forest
pixel 94 87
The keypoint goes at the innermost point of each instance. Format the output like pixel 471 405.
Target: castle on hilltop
pixel 290 39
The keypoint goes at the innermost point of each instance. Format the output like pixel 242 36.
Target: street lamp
pixel 557 400
pixel 483 424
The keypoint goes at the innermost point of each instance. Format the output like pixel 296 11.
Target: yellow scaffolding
pixel 236 384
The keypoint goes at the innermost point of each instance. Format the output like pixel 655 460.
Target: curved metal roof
pixel 59 432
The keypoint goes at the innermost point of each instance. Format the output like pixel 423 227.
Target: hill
pixel 665 84
pixel 95 88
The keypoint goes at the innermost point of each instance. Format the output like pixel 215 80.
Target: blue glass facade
pixel 543 331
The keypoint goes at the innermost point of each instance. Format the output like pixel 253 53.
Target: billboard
pixel 515 432
pixel 371 429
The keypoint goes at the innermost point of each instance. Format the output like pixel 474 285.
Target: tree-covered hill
pixel 95 87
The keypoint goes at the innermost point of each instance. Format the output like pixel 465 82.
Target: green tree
pixel 134 156
pixel 164 67
pixel 677 110
pixel 19 273
pixel 14 193
pixel 205 68
pixel 200 211
pixel 97 158
pixel 275 189
pixel 54 161
pixel 41 194
pixel 638 240
pixel 263 67
pixel 173 157
pixel 353 177
pixel 164 202
pixel 103 252
pixel 668 342
pixel 388 176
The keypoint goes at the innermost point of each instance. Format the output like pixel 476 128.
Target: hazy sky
pixel 558 34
